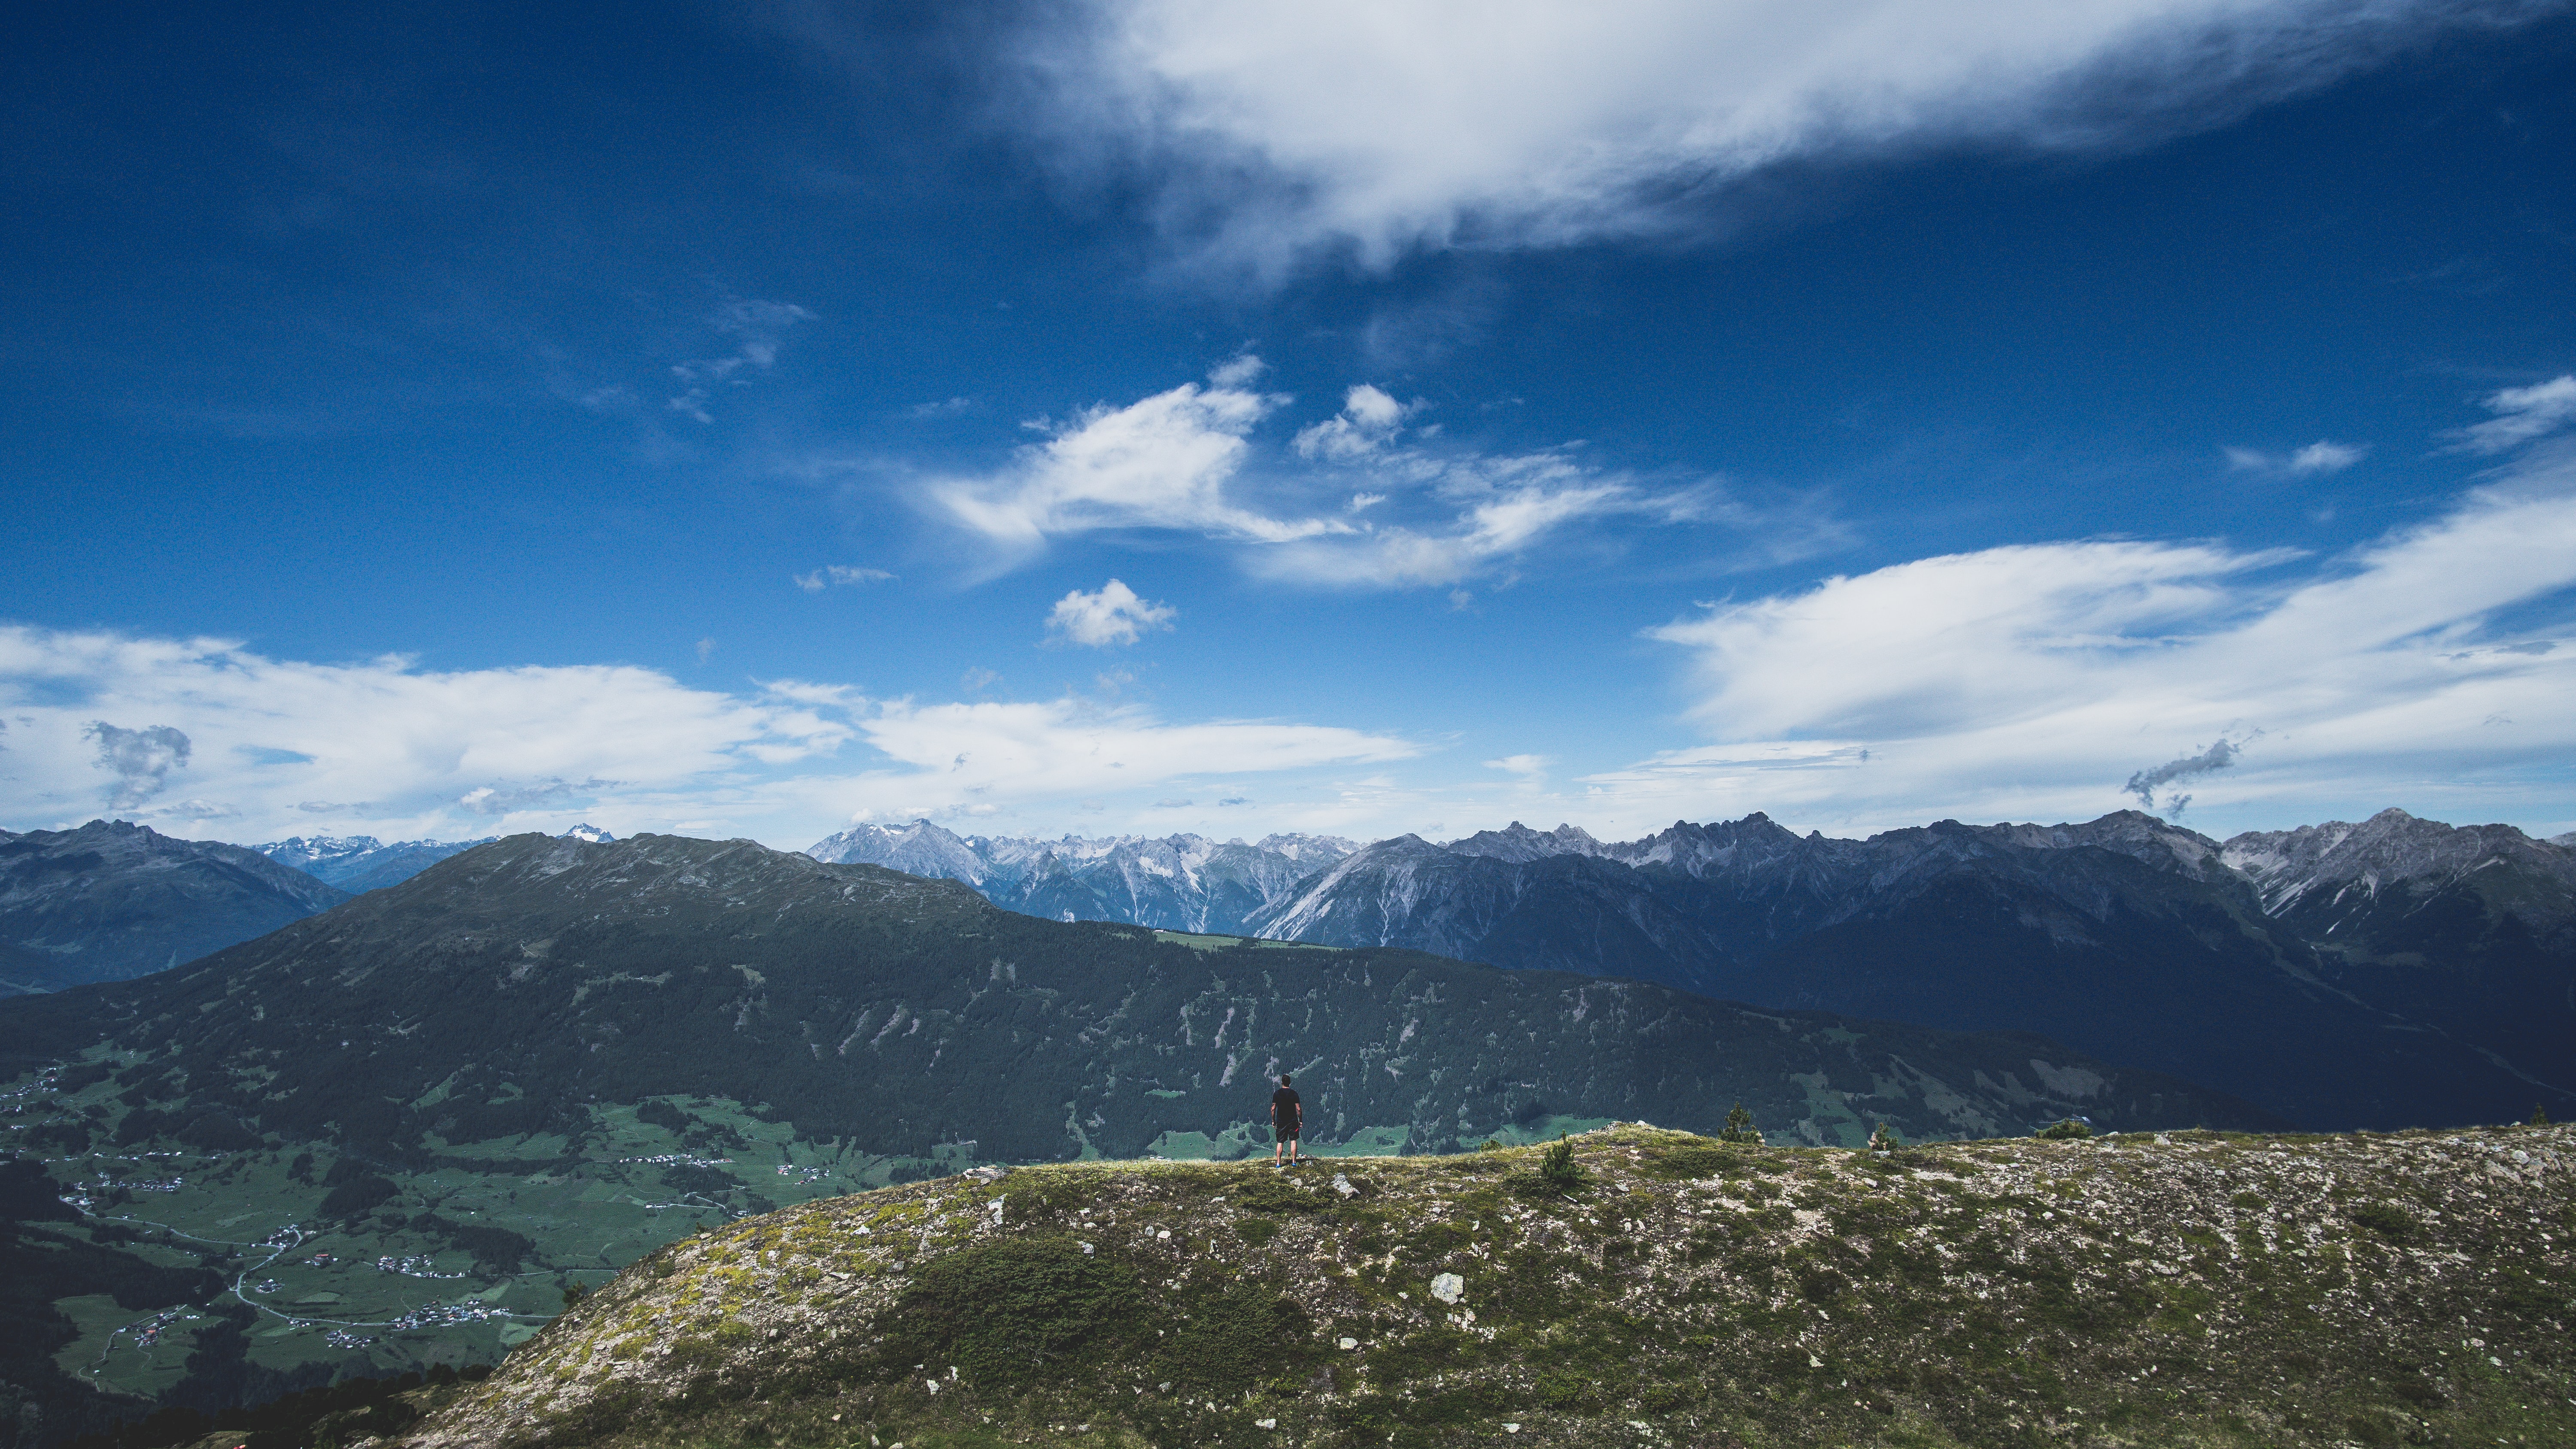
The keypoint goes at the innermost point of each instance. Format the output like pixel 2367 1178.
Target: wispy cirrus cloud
pixel 2521 414
pixel 2317 459
pixel 755 328
pixel 955 758
pixel 835 575
pixel 1287 134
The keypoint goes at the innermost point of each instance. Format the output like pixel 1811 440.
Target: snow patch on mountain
pixel 1176 882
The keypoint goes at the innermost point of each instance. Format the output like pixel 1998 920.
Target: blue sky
pixel 741 419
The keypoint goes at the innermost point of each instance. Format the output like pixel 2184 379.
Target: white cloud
pixel 1532 768
pixel 279 747
pixel 951 755
pixel 1477 513
pixel 1161 463
pixel 755 327
pixel 2522 414
pixel 2325 457
pixel 270 734
pixel 539 797
pixel 1114 615
pixel 1241 370
pixel 2316 459
pixel 141 759
pixel 2029 682
pixel 1366 423
pixel 1287 130
pixel 830 574
pixel 758 325
pixel 1181 461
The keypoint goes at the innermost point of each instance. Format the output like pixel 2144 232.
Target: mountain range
pixel 1177 882
pixel 499 991
pixel 110 901
pixel 361 863
pixel 114 900
pixel 2391 973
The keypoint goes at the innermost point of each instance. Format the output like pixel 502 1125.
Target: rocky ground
pixel 2190 1289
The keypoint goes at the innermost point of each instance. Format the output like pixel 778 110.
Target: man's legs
pixel 1278 1145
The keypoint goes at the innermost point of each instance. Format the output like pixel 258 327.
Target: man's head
pixel 1283 1079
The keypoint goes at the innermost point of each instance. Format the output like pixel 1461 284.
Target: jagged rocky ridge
pixel 2196 1290
pixel 112 900
pixel 2390 974
pixel 1176 883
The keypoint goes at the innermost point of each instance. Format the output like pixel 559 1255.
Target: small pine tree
pixel 1557 1167
pixel 574 1294
pixel 1739 1127
pixel 2066 1128
pixel 2539 1115
pixel 1885 1139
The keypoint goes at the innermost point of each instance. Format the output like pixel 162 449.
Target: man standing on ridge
pixel 1287 1122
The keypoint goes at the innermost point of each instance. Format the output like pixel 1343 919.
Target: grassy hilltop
pixel 2191 1289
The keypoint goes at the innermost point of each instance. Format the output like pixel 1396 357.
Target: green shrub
pixel 1695 1162
pixel 2064 1129
pixel 1265 1192
pixel 2419 1393
pixel 1014 1309
pixel 2386 1219
pixel 1229 1341
pixel 1739 1127
pixel 1561 1390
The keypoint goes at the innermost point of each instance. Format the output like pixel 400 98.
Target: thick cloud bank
pixel 244 747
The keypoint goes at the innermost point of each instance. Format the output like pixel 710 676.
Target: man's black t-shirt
pixel 1285 1112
